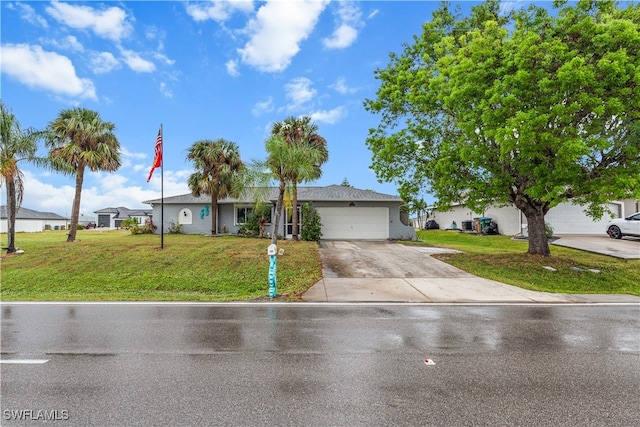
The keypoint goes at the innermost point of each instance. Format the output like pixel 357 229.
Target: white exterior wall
pixel 566 218
pixel 32 225
pixel 507 218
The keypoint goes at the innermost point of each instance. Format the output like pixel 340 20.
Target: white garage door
pixel 354 223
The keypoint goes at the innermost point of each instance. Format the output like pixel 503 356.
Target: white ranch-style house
pixel 30 221
pixel 566 218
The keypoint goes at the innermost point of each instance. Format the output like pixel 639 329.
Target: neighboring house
pixel 113 217
pixel 345 213
pixel 86 220
pixel 566 218
pixel 31 221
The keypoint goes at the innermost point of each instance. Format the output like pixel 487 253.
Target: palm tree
pixel 302 132
pixel 218 166
pixel 80 139
pixel 284 161
pixel 15 145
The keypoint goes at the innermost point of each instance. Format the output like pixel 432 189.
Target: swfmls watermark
pixel 35 414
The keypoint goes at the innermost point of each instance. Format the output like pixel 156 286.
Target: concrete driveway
pixel 383 271
pixel 625 248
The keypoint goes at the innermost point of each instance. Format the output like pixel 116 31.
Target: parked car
pixel 629 226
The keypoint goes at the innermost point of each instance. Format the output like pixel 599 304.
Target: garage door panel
pixel 354 222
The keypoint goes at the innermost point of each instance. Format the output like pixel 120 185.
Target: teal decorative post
pixel 271 251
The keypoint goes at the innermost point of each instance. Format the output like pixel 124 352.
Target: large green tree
pixel 531 108
pixel 78 139
pixel 16 145
pixel 302 132
pixel 218 165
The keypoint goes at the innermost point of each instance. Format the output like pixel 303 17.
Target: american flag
pixel 157 160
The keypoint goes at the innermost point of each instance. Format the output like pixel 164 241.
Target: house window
pixel 243 214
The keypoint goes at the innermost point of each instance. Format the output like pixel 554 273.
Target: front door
pixel 288 222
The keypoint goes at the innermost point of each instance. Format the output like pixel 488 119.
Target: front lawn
pixel 505 260
pixel 117 266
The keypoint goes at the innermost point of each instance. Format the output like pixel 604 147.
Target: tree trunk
pixel 279 203
pixel 538 241
pixel 214 214
pixel 294 211
pixel 11 215
pixel 75 210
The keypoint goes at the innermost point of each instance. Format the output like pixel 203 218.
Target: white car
pixel 629 226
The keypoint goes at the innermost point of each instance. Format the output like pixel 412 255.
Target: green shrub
pixel 174 229
pixel 311 225
pixel 256 222
pixel 548 230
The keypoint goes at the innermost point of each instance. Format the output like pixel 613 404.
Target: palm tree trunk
pixel 279 203
pixel 11 215
pixel 214 214
pixel 294 211
pixel 75 210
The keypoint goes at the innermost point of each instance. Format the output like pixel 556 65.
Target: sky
pixel 204 70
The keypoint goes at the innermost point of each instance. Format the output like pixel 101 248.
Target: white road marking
pixel 24 361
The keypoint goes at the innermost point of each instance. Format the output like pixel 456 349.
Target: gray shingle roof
pixel 305 194
pixel 122 212
pixel 24 213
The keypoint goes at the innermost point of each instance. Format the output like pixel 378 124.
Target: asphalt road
pixel 320 364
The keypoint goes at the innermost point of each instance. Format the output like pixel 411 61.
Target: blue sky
pixel 205 70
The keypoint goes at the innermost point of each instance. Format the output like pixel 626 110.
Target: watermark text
pixel 35 415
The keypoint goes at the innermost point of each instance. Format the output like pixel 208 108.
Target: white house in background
pixel 30 221
pixel 113 217
pixel 345 213
pixel 566 218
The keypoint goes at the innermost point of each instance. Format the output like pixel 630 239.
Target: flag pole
pixel 162 190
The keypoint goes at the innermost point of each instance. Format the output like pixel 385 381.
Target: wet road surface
pixel 320 365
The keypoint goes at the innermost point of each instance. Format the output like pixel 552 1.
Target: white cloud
pixel 232 68
pixel 110 23
pixel 340 86
pixel 136 62
pixel 100 190
pixel 342 37
pixel 28 13
pixel 103 62
pixel 299 91
pixel 72 43
pixel 507 7
pixel 168 93
pixel 69 43
pixel 349 21
pixel 331 116
pixel 40 69
pixel 217 10
pixel 277 31
pixel 263 107
pixel 163 58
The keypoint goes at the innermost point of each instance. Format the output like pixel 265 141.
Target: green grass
pixel 117 266
pixel 505 260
